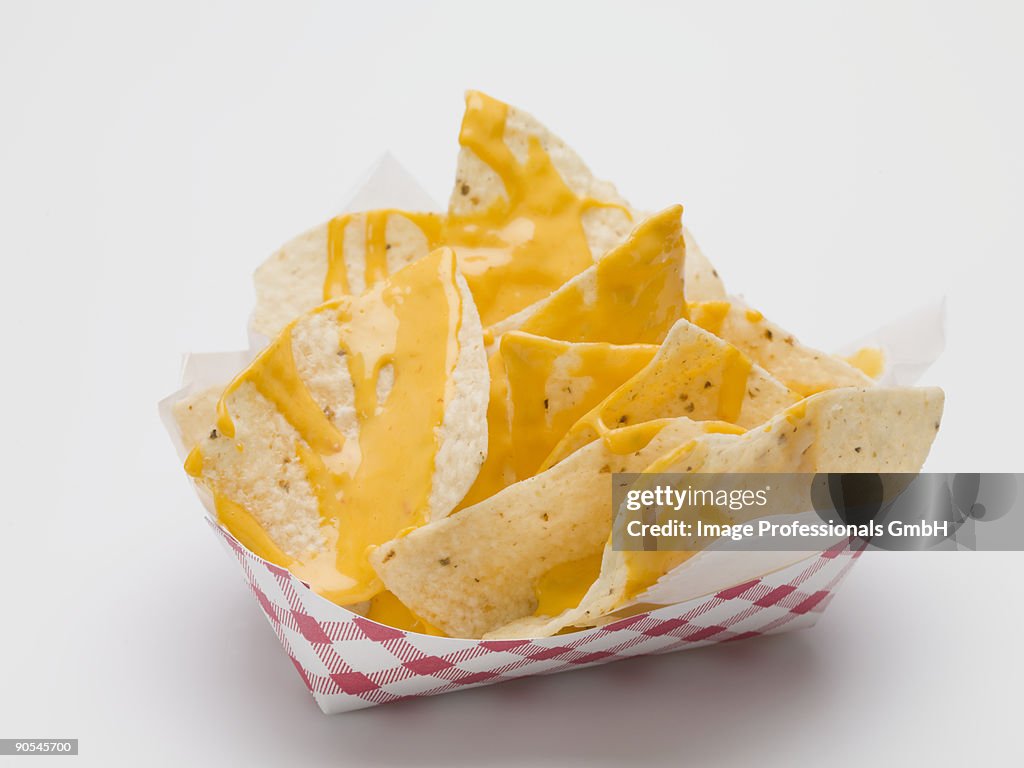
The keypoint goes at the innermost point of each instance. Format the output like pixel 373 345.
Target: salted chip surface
pixel 300 457
pixel 841 430
pixel 805 370
pixel 694 374
pixel 530 545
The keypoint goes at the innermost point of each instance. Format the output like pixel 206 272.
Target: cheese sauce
pixel 564 586
pixel 552 384
pixel 868 360
pixel 410 323
pixel 527 243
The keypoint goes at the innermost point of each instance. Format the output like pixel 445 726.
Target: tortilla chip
pixel 554 217
pixel 194 415
pixel 551 384
pixel 804 370
pixel 343 256
pixel 694 374
pixel 299 456
pixel 842 430
pixel 633 294
pixel 525 216
pixel 700 278
pixel 476 570
pixel 496 472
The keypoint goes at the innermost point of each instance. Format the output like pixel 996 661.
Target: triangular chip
pixel 552 383
pixel 634 294
pixel 343 256
pixel 694 374
pixel 701 278
pixel 804 370
pixel 843 430
pixel 631 296
pixel 525 216
pixel 300 457
pixel 479 569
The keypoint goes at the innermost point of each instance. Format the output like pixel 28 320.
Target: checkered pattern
pixel 349 662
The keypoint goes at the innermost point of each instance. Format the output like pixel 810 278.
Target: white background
pixel 840 162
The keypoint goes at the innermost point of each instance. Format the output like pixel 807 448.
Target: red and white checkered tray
pixel 349 662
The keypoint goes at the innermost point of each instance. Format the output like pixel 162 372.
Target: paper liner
pixel 350 662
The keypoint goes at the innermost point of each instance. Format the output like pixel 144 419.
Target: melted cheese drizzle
pixel 562 587
pixel 496 472
pixel 387 609
pixel 514 253
pixel 644 568
pixel 374 226
pixel 618 312
pixel 709 315
pixel 552 384
pixel 602 421
pixel 638 296
pixel 565 585
pixel 410 322
pixel 868 360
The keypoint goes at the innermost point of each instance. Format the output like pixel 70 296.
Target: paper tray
pixel 350 662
